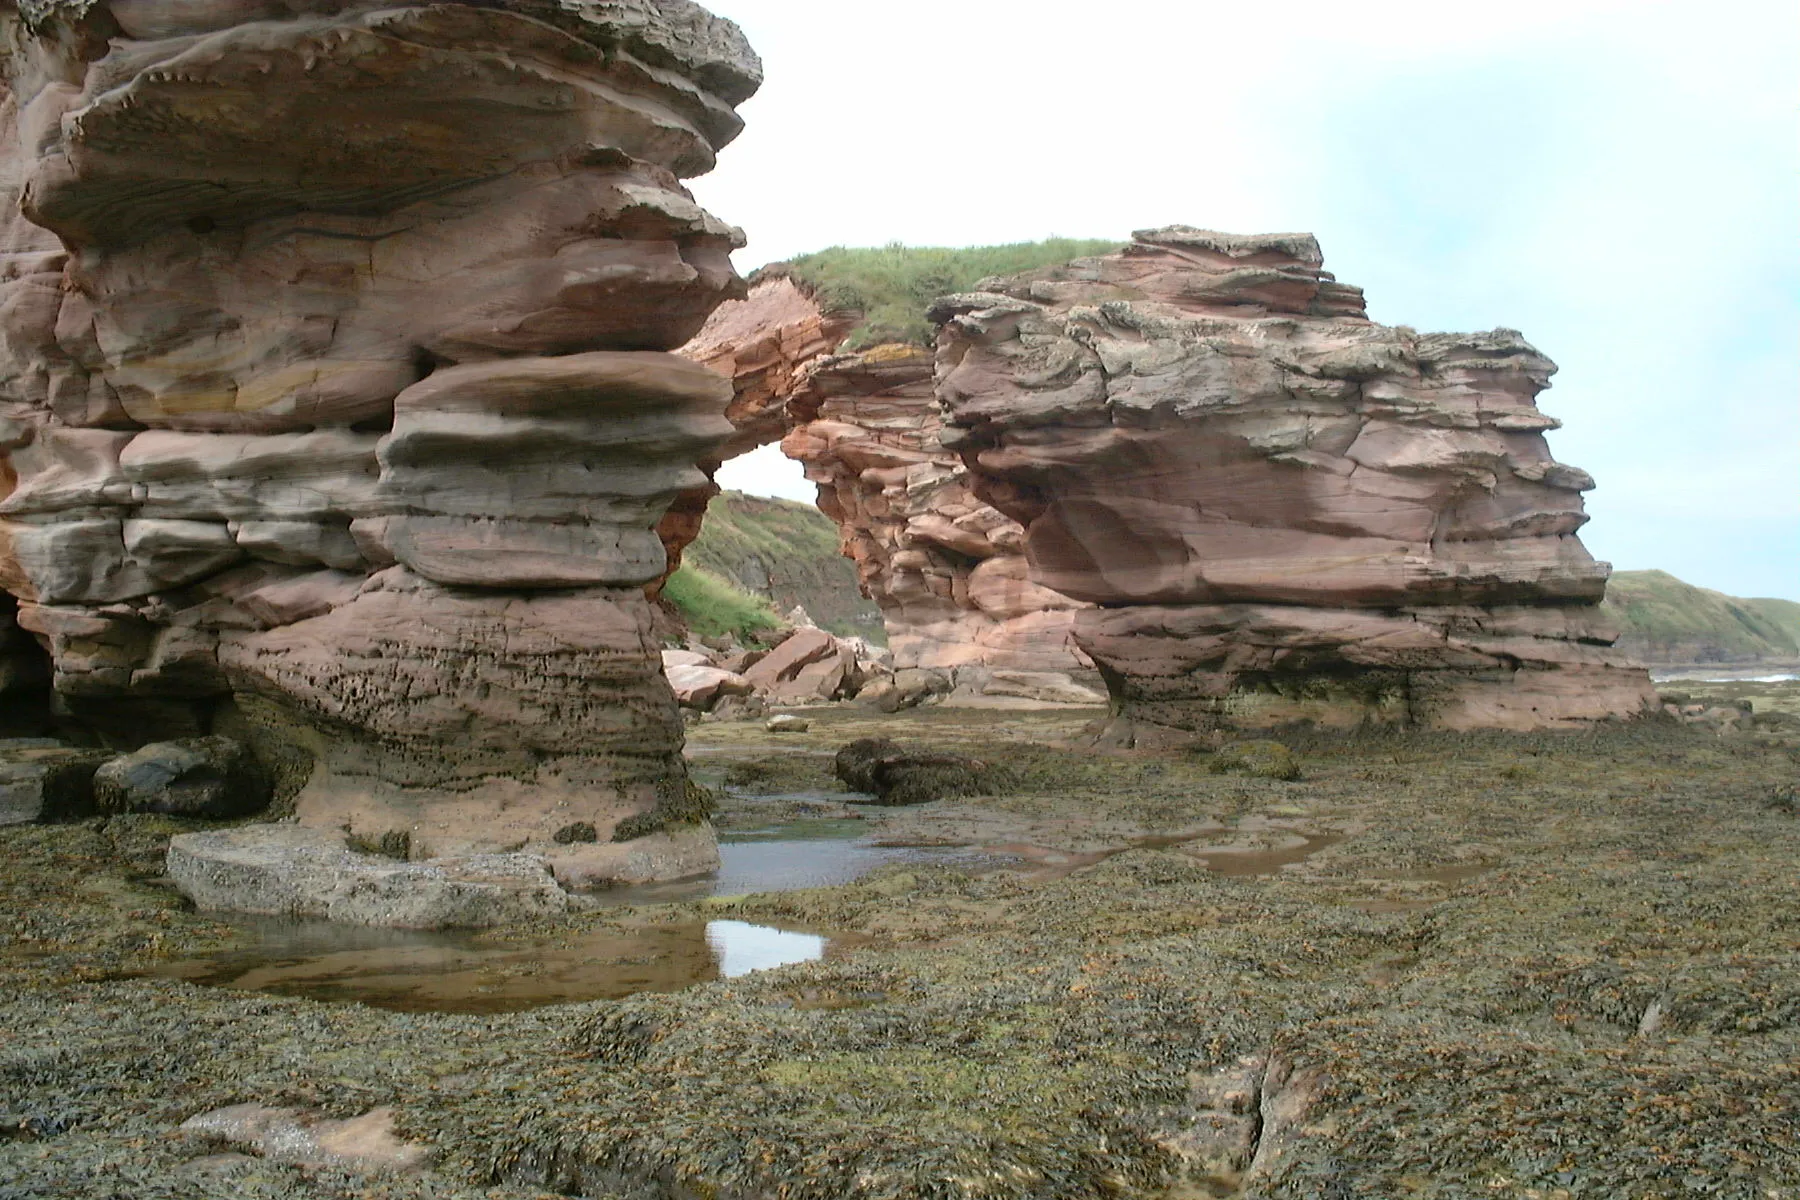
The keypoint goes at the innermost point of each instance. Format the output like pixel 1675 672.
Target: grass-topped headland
pixel 893 285
pixel 1663 619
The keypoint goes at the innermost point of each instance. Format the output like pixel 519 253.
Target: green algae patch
pixel 938 1098
pixel 1262 759
pixel 678 802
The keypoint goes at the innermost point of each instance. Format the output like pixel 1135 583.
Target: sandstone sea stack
pixel 337 407
pixel 946 568
pixel 1280 509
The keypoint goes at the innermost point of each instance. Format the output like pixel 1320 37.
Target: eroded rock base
pixel 470 722
pixel 1206 667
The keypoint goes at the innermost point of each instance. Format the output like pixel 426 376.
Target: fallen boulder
pixel 784 662
pixel 194 777
pixel 738 708
pixel 831 677
pixel 896 775
pixel 702 687
pixel 685 658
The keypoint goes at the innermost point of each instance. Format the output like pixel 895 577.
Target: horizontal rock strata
pixel 335 396
pixel 1280 509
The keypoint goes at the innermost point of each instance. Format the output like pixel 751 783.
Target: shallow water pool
pixel 412 971
pixel 466 972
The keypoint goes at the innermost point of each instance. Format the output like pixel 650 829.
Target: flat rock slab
pixel 299 871
pixel 364 1144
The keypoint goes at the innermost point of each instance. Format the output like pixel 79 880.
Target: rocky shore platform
pixel 1313 965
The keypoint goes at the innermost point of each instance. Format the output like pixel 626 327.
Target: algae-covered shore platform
pixel 1432 965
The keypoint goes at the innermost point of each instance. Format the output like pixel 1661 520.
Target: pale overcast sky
pixel 1617 180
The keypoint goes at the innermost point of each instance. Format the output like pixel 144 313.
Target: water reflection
pixel 408 971
pixel 741 947
pixel 781 864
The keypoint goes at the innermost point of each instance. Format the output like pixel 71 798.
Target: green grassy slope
pixel 785 553
pixel 713 606
pixel 1664 620
pixel 893 285
pixel 1784 614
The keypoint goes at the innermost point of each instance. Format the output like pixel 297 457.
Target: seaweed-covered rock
pixel 295 871
pixel 194 777
pixel 1263 759
pixel 575 831
pixel 896 775
pixel 855 763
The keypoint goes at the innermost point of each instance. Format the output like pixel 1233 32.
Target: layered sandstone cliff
pixel 946 568
pixel 334 387
pixel 1280 509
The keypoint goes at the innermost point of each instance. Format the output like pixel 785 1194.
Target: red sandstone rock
pixel 701 687
pixel 784 662
pixel 334 393
pixel 1284 510
pixel 945 567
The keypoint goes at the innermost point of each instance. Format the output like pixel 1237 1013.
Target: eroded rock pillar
pixel 336 398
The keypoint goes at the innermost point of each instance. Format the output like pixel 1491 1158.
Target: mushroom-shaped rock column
pixel 1282 510
pixel 335 394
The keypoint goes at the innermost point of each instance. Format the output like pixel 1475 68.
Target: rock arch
pixel 946 568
